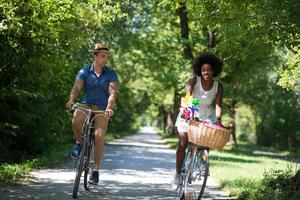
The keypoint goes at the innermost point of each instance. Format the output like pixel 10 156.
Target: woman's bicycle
pixel 194 172
pixel 85 161
pixel 195 169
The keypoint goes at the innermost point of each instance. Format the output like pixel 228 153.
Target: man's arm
pixel 112 90
pixel 78 84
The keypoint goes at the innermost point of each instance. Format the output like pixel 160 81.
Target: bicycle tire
pixel 79 167
pixel 205 163
pixel 186 162
pixel 195 183
pixel 89 164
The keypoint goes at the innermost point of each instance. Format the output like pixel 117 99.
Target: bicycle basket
pixel 207 135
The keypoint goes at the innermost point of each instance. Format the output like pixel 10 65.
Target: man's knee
pixel 78 118
pixel 99 133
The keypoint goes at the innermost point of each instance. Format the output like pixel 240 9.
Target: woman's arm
pixel 219 100
pixel 191 83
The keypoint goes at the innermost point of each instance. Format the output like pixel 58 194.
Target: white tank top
pixel 206 112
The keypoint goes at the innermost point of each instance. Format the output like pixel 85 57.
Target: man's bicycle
pixel 195 169
pixel 85 160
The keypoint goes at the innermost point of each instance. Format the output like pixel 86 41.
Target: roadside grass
pixel 241 170
pixel 13 173
pixel 54 157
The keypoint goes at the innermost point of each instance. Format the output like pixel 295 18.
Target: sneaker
pixel 94 178
pixel 75 150
pixel 175 182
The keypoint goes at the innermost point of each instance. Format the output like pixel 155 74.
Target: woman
pixel 200 86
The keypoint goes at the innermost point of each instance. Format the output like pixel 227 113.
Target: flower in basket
pixel 189 105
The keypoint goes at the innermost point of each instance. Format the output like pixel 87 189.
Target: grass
pixel 238 170
pixel 13 173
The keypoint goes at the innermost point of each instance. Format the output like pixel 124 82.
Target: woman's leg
pixel 180 153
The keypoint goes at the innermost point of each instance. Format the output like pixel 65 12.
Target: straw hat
pixel 101 47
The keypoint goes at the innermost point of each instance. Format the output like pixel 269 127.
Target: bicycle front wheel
pixel 89 164
pixel 196 175
pixel 79 167
pixel 204 170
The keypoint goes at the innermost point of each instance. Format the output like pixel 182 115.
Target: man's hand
pixel 109 112
pixel 69 104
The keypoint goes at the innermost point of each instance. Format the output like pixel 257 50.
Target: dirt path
pixel 135 167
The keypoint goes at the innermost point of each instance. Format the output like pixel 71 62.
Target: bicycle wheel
pixel 89 164
pixel 195 179
pixel 204 170
pixel 79 167
pixel 186 162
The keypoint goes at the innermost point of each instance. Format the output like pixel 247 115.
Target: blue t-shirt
pixel 95 89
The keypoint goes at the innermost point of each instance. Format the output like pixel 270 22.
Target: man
pixel 100 84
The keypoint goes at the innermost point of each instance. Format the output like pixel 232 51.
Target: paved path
pixel 139 167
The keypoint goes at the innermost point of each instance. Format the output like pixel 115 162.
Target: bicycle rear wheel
pixel 79 167
pixel 89 164
pixel 196 175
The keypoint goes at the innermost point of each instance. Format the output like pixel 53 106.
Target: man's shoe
pixel 75 150
pixel 94 178
pixel 176 181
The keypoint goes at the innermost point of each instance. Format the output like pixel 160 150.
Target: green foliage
pixel 278 124
pixel 13 173
pixel 290 70
pixel 245 124
pixel 276 184
pixel 43 45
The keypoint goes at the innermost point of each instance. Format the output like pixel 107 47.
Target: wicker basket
pixel 207 135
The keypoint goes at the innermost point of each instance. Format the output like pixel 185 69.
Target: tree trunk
pixel 184 27
pixel 170 123
pixel 211 38
pixel 231 112
pixel 187 52
pixel 163 121
pixel 176 106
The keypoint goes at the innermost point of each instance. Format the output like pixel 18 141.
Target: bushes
pixel 13 173
pixel 276 184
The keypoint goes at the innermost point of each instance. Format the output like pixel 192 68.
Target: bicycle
pixel 194 173
pixel 202 136
pixel 84 161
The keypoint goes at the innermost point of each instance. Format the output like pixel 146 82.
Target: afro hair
pixel 207 58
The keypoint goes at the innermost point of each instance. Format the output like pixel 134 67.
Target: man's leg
pixel 100 130
pixel 99 147
pixel 77 123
